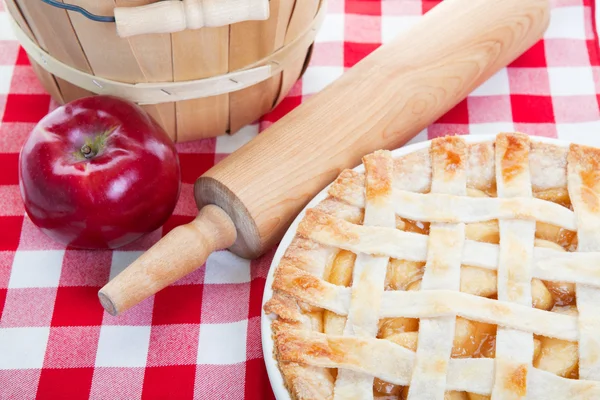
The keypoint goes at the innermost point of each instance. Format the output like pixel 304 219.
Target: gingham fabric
pixel 200 338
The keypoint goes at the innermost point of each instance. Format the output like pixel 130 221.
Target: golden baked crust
pixel 434 232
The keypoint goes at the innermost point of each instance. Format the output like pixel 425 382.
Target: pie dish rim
pixel 271 363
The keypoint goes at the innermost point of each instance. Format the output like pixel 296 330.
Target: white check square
pixel 571 81
pixel 33 268
pixel 586 133
pixel 497 84
pixel 316 78
pixel 22 348
pixel 6 73
pixel 333 29
pixel 227 144
pixel 221 344
pixel 491 128
pixel 123 346
pixel 226 267
pixel 566 23
pixel 6 31
pixel 392 26
pixel 122 259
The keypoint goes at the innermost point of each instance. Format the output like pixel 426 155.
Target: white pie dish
pixel 275 377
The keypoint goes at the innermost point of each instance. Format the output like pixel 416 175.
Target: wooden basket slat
pixel 193 54
pixel 153 55
pixel 251 41
pixel 199 54
pixel 102 46
pixel 53 32
pixel 304 12
pixel 47 80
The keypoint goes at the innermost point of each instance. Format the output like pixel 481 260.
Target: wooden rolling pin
pixel 177 15
pixel 248 200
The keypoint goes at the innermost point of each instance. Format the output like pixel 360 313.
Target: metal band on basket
pixel 163 92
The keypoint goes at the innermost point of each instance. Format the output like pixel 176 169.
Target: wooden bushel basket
pixel 201 68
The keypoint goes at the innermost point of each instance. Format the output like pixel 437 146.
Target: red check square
pixel 534 57
pixel 179 304
pixel 10 232
pixel 371 7
pixel 257 380
pixel 429 4
pixel 26 107
pixel 2 301
pixel 354 52
pixel 257 286
pixel 194 165
pixel 530 109
pixel 77 306
pixel 72 346
pixel 22 58
pixel 173 382
pixel 286 105
pixel 459 114
pixel 65 383
pixel 9 165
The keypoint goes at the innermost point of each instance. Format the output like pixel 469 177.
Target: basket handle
pixel 176 15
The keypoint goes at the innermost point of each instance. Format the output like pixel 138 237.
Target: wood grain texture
pixel 199 54
pixel 249 42
pixel 102 46
pixel 52 30
pixel 304 12
pixel 47 79
pixel 381 102
pixel 153 56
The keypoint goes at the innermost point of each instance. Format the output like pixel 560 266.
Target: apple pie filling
pixel 472 339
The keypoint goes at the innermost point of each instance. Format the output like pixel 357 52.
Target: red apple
pixel 98 173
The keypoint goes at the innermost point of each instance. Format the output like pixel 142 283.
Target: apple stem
pixel 86 150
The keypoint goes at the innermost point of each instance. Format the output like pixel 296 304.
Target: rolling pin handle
pixel 177 254
pixel 175 15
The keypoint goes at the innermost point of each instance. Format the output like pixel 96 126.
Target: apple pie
pixel 463 271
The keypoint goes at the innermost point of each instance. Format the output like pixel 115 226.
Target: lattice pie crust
pixel 461 271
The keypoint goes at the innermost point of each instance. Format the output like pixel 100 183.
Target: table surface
pixel 200 338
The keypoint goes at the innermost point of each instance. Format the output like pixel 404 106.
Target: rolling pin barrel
pixel 176 15
pixel 381 102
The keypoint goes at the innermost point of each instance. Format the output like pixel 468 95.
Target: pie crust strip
pixel 548 264
pixel 583 170
pixel 393 363
pixel 514 348
pixel 369 274
pixel 442 271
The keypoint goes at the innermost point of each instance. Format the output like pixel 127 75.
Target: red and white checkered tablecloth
pixel 200 338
